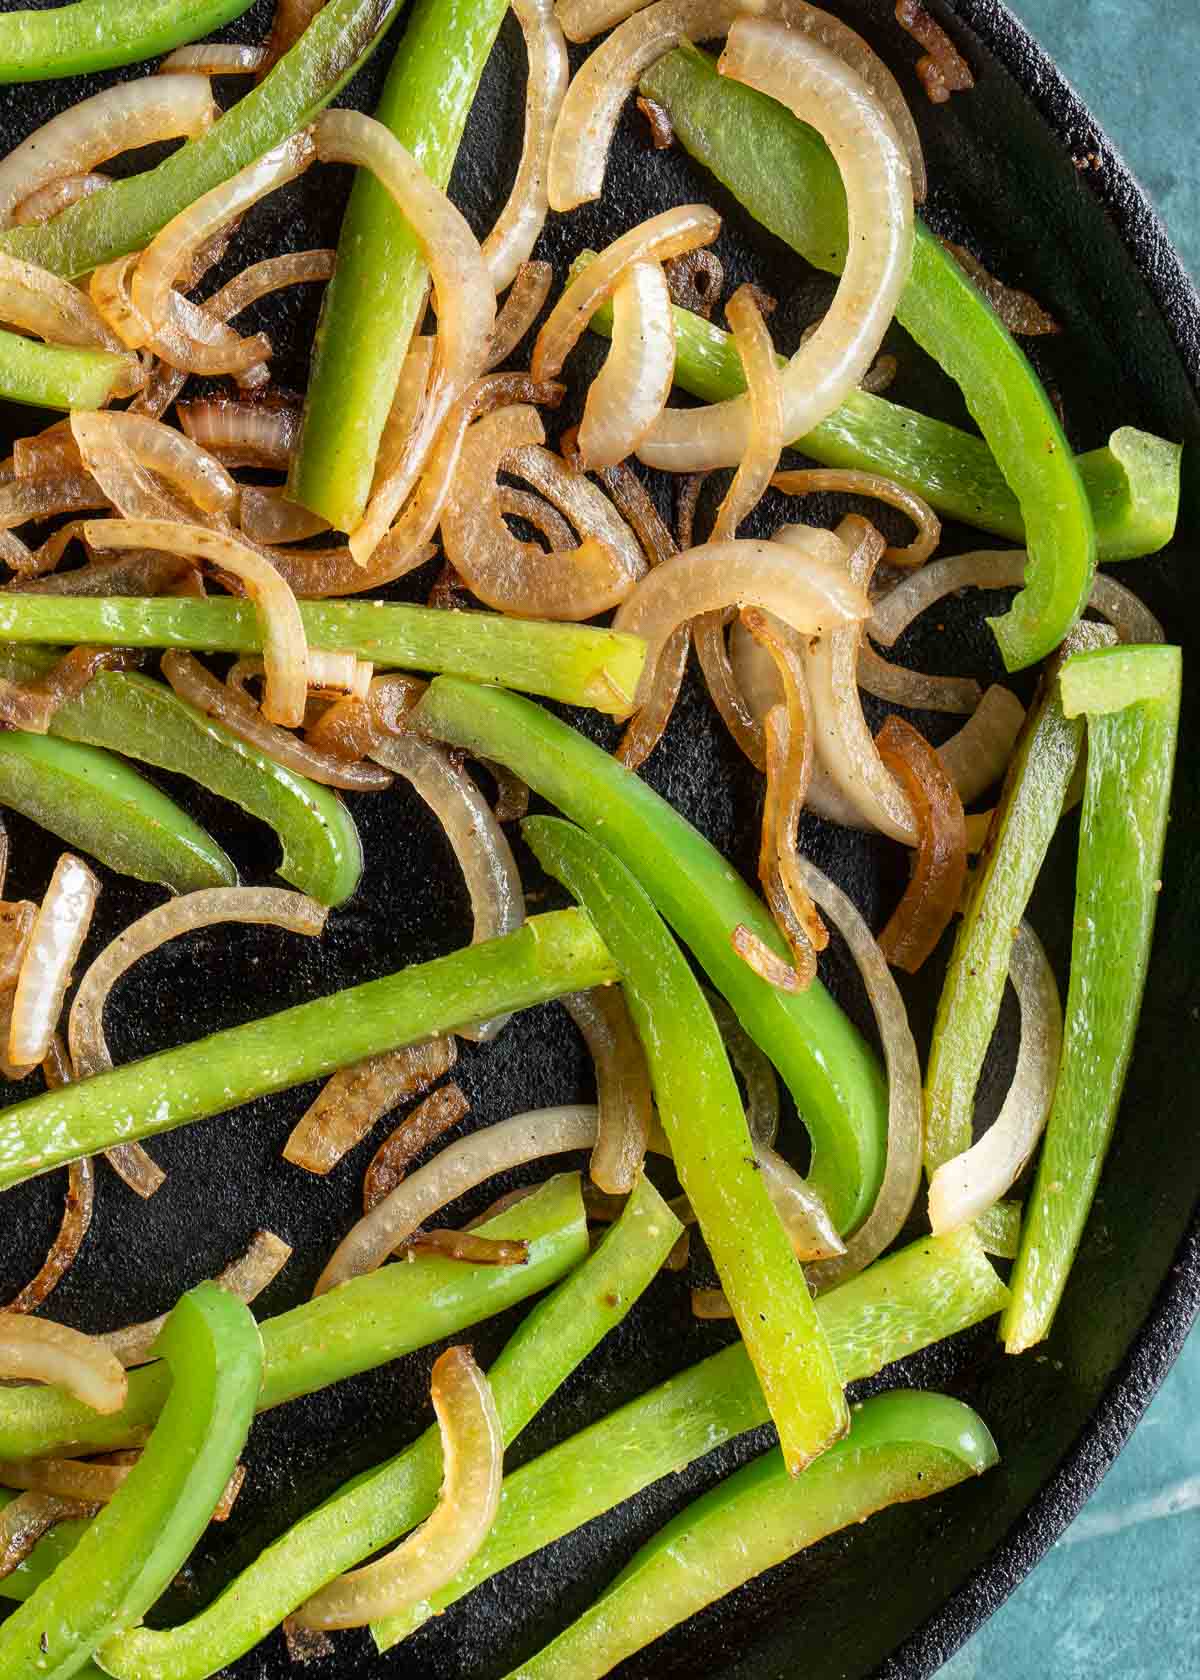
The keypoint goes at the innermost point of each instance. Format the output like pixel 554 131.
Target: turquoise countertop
pixel 1118 1593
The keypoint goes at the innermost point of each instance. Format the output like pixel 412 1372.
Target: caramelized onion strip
pixel 622 1086
pixel 350 1103
pixel 940 866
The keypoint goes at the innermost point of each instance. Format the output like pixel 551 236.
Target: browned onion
pixel 55 196
pixel 582 502
pixel 243 434
pixel 31 705
pixel 215 58
pixel 470 1249
pixel 921 690
pixel 943 70
pixel 710 1304
pixel 268 517
pixel 157 449
pixel 662 134
pixel 187 338
pixel 24 499
pixel 1021 313
pixel 932 896
pixel 144 573
pixel 520 310
pixel 24 1521
pixel 623 1093
pixel 473 1468
pixel 351 727
pixel 272 274
pixel 977 756
pixel 546 520
pixel 38 1350
pixel 292 18
pixel 766 963
pixel 352 1101
pixel 512 794
pixel 37 302
pixel 405 411
pixel 515 234
pixel 629 392
pixel 696 281
pixel 427 1122
pixel 57 936
pixel 51 451
pixel 77 1211
pixel 831 480
pixel 16 924
pixel 66 1478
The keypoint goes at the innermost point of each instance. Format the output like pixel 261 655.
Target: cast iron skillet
pixel 1020 171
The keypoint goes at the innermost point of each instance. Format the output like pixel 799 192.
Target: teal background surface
pixel 1120 1593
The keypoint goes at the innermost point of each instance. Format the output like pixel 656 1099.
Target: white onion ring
pixel 350 1103
pixel 455 1170
pixel 632 387
pixel 920 690
pixel 512 239
pixel 58 933
pixel 848 481
pixel 158 449
pixel 187 339
pixel 478 842
pixel 967 1185
pixel 39 302
pixel 581 501
pixel 215 58
pixel 268 517
pixel 129 114
pixel 819 89
pixel 520 310
pixel 473 1470
pixel 623 1093
pixel 38 1350
pixel 56 196
pixel 977 756
pixel 243 434
pixel 802 1213
pixel 765 396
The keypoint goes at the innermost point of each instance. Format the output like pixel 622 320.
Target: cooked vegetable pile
pixel 196 559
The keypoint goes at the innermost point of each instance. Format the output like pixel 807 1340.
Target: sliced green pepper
pixel 45 1558
pixel 213 1355
pixel 56 375
pixel 903 1446
pixel 926 1292
pixel 1132 484
pixel 364 1324
pixel 371 305
pixel 701 1112
pixel 100 34
pixel 1131 698
pixel 575 663
pixel 785 176
pixel 127 215
pixel 96 802
pixel 832 1075
pixel 375 1509
pixel 548 956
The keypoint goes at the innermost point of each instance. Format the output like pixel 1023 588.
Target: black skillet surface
pixel 1020 172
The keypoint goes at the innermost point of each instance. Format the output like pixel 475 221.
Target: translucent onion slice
pixel 593 105
pixel 470 1249
pixel 427 1122
pixel 806 585
pixel 187 338
pixel 38 1350
pixel 759 1080
pixel 268 517
pixel 352 1101
pixel 523 504
pixel 977 756
pixel 57 936
pixel 973 1182
pixel 466 298
pixel 820 89
pixel 243 434
pixel 159 449
pixel 710 1304
pixel 521 308
pixel 581 501
pixel 272 274
pixel 210 907
pixel 902 1173
pixel 34 499
pixel 292 18
pixel 846 481
pixel 146 573
pixel 67 1478
pixel 629 392
pixel 56 196
pixel 455 1170
pixel 406 408
pixel 215 58
pixel 77 1211
pixel 479 844
pixel 668 234
pixel 623 1092
pixel 285 647
pixel 31 705
pixel 38 302
pixel 134 113
pixel 473 1468
pixel 246 1277
pixel 939 869
pixel 26 1519
pixel 350 728
pixel 515 234
pixel 920 690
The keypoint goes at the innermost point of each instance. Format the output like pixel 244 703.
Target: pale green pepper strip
pixel 831 1073
pixel 45 1558
pixel 701 1112
pixel 71 40
pixel 999 1229
pixel 1131 698
pixel 376 1508
pixel 56 375
pixel 546 957
pixel 213 1356
pixel 369 1321
pixel 903 1446
pixel 575 663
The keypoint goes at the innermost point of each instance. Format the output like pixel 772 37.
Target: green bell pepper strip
pixel 576 663
pixel 340 38
pixel 1132 483
pixel 999 1229
pixel 95 802
pixel 56 375
pixel 834 1078
pixel 378 288
pixel 374 1509
pixel 45 1558
pixel 1027 814
pixel 100 34
pixel 547 956
pixel 785 176
pixel 373 1319
pixel 143 719
pixel 933 1289
pixel 903 1446
pixel 213 1356
pixel 701 1112
pixel 1131 698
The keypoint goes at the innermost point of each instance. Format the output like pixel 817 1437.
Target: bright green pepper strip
pixel 1131 755
pixel 701 1112
pixel 56 375
pixel 97 803
pixel 212 1352
pixel 999 1229
pixel 1027 813
pixel 1132 483
pixel 378 288
pixel 832 1075
pixel 548 956
pixel 575 663
pixel 139 718
pixel 373 1319
pixel 928 1291
pixel 100 34
pixel 373 1510
pixel 45 1558
pixel 339 39
pixel 903 1446
pixel 785 176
